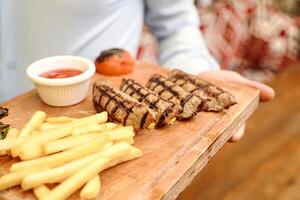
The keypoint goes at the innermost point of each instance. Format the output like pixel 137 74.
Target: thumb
pixel 266 93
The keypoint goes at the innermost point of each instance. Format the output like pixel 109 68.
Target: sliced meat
pixel 190 103
pixel 121 108
pixel 165 110
pixel 218 99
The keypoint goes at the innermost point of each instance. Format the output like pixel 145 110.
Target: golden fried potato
pixel 133 154
pixel 63 157
pixel 12 133
pixel 58 174
pixel 33 124
pixel 41 191
pixel 60 119
pixel 78 180
pixel 15 178
pixel 120 134
pixel 93 127
pixel 68 143
pixel 91 188
pixel 47 126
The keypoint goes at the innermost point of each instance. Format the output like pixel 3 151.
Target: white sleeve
pixel 175 24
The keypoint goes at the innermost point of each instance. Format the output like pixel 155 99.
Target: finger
pixel 238 135
pixel 266 93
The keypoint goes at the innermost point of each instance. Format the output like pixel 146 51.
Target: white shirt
pixel 33 29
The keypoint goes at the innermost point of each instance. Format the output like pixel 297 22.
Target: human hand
pixel 266 92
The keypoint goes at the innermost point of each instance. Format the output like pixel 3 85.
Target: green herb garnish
pixel 3 127
pixel 3 112
pixel 3 130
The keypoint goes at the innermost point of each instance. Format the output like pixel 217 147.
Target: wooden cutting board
pixel 173 155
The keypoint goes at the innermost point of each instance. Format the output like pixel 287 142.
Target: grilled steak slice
pixel 165 110
pixel 219 99
pixel 121 108
pixel 190 103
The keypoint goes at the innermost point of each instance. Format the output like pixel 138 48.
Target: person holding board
pixel 31 30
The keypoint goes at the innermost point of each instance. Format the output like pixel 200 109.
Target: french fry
pixel 88 128
pixel 41 139
pixel 57 174
pixel 33 124
pixel 68 143
pixel 63 172
pixel 36 132
pixel 17 145
pixel 106 146
pixel 12 133
pixel 14 152
pixel 32 150
pixel 117 135
pixel 67 129
pixel 66 151
pixel 116 150
pixel 133 154
pixel 54 134
pixel 9 144
pixel 91 188
pixel 97 118
pixel 93 127
pixel 15 178
pixel 129 140
pixel 41 191
pixel 60 119
pixel 63 157
pixel 120 134
pixel 75 182
pixel 130 128
pixel 46 126
pixel 110 126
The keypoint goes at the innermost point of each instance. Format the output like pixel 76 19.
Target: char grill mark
pixel 159 105
pixel 109 53
pixel 121 107
pixel 216 98
pixel 164 115
pixel 129 111
pixel 111 94
pixel 190 103
pixel 143 120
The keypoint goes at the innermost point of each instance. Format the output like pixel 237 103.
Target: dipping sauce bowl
pixel 62 80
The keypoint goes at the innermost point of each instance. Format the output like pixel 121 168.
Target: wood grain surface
pixel 265 164
pixel 173 155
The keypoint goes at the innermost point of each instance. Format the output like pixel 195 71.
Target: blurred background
pixel 260 39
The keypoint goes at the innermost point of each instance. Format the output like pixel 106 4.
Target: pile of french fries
pixel 67 152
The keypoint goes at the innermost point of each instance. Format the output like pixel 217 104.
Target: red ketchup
pixel 61 73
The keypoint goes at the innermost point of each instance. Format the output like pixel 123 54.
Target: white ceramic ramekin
pixel 62 91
